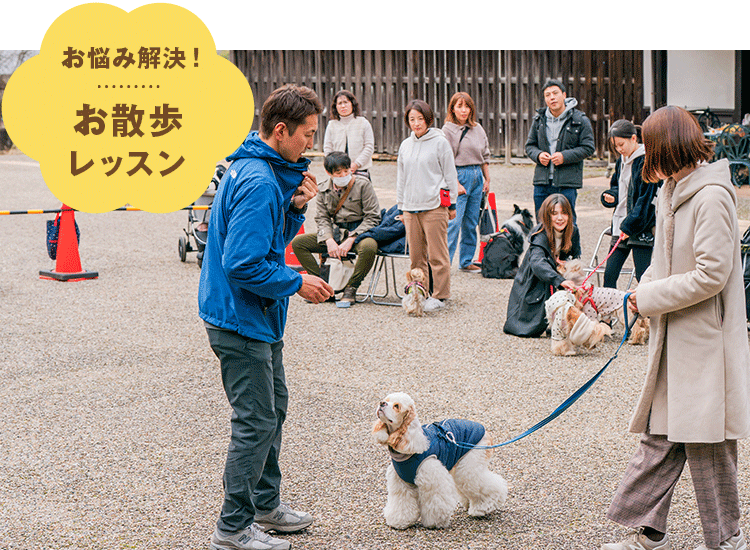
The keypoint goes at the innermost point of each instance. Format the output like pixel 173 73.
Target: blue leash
pixel 448 436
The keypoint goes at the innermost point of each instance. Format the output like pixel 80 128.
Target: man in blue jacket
pixel 243 297
pixel 559 139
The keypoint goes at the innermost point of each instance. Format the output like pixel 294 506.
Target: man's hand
pixel 557 159
pixel 314 289
pixel 306 190
pixel 544 158
pixel 346 246
pixel 333 248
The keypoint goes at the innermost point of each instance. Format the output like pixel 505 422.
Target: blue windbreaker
pixel 245 284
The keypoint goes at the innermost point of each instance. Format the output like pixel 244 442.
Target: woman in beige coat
pixel 695 402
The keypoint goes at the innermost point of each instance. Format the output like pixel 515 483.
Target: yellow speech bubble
pixel 125 107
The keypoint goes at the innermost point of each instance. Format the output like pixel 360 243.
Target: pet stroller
pixel 196 232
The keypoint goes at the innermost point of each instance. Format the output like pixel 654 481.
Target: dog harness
pixel 415 286
pixel 442 437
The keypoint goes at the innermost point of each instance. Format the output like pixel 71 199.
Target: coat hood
pixel 288 174
pixel 716 173
pixel 432 133
pixel 570 104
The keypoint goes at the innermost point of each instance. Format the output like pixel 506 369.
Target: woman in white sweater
pixel 350 133
pixel 426 190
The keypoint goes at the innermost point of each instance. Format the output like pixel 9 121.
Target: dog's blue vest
pixel 442 437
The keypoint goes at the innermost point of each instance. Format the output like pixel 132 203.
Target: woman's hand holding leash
pixel 632 305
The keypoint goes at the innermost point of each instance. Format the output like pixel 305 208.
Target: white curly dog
pixel 429 474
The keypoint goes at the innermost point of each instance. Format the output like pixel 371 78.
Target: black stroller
pixel 196 232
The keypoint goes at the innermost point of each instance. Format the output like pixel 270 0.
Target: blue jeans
pixel 467 214
pixel 541 192
pixel 253 376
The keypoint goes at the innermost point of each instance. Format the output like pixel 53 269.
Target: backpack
pixel 500 259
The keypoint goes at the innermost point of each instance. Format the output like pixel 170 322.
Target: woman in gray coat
pixel 695 402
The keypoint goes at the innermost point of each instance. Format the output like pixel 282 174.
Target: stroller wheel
pixel 182 248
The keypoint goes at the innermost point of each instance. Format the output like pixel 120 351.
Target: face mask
pixel 341 181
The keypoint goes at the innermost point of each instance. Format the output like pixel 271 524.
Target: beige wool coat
pixel 697 387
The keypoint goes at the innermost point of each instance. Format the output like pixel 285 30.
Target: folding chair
pixel 592 268
pixel 380 267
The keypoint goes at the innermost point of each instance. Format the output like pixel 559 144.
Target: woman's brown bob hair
pixel 674 140
pixel 421 107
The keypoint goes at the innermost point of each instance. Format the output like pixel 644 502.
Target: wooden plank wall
pixel 505 85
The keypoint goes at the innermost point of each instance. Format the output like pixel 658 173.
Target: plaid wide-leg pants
pixel 645 492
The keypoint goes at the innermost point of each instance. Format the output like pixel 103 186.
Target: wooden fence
pixel 506 86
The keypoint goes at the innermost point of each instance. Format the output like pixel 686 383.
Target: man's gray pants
pixel 253 376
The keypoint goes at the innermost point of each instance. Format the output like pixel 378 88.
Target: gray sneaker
pixel 639 541
pixel 737 542
pixel 250 538
pixel 283 519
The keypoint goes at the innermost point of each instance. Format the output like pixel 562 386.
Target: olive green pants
pixel 306 245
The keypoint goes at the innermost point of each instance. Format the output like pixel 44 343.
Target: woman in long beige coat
pixel 695 402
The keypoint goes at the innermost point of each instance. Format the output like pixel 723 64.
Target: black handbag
pixel 53 232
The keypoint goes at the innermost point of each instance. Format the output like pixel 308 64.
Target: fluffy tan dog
pixel 415 292
pixel 429 474
pixel 603 304
pixel 570 327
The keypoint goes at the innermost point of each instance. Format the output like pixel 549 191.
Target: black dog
pixel 501 253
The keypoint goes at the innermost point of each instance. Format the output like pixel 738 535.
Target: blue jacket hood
pixel 287 173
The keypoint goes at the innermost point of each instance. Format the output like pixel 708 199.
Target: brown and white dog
pixel 415 292
pixel 429 474
pixel 570 327
pixel 603 303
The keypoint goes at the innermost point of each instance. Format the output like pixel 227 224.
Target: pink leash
pixel 602 263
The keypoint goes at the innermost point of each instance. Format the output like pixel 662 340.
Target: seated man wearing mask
pixel 346 207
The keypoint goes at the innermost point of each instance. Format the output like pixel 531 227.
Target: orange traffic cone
pixel 68 265
pixel 290 258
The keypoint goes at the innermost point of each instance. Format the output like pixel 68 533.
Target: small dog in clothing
pixel 415 292
pixel 603 303
pixel 570 327
pixel 429 474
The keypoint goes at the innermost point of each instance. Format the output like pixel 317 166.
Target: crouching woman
pixel 553 241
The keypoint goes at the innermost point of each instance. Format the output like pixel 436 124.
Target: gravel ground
pixel 115 425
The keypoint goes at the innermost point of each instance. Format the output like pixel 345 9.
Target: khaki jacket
pixel 697 387
pixel 361 205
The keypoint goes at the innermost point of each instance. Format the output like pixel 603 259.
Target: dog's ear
pixel 516 210
pixel 409 277
pixel 409 438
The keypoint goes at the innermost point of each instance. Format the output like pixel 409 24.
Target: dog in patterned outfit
pixel 602 303
pixel 429 474
pixel 570 327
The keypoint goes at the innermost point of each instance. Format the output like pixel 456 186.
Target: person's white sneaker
pixel 432 304
pixel 639 541
pixel 283 519
pixel 250 538
pixel 732 543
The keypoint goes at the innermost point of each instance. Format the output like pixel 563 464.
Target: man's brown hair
pixel 290 104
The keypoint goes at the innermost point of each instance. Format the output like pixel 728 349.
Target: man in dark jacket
pixel 560 138
pixel 243 296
